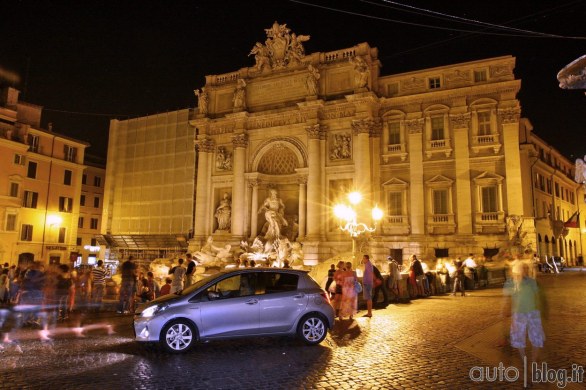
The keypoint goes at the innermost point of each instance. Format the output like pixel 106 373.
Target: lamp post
pixel 347 216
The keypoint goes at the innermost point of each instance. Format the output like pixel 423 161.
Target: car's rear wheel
pixel 312 329
pixel 178 336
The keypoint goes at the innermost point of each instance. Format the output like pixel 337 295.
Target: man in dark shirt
pixel 419 275
pixel 330 280
pixel 190 274
pixel 379 286
pixel 128 286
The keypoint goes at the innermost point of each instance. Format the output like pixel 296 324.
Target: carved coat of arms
pixel 281 48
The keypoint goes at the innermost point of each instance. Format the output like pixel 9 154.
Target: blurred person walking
pixel 527 306
pixel 4 286
pixel 349 299
pixel 394 281
pixel 339 279
pixel 367 284
pixel 191 269
pixel 379 286
pixel 177 274
pixel 459 279
pixel 98 278
pixel 127 286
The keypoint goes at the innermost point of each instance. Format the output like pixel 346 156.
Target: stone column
pixel 240 142
pixel 362 167
pixel 324 211
pixel 464 215
pixel 253 184
pixel 414 129
pixel 205 149
pixel 302 206
pixel 510 120
pixel 314 190
pixel 375 136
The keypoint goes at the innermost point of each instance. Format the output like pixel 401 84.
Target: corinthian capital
pixel 376 129
pixel 510 115
pixel 240 140
pixel 460 120
pixel 414 126
pixel 363 126
pixel 253 183
pixel 314 131
pixel 205 145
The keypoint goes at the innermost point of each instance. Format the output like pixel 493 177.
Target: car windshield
pixel 196 285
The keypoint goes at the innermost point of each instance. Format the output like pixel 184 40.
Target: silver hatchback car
pixel 238 303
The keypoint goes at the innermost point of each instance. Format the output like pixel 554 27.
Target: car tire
pixel 312 329
pixel 178 336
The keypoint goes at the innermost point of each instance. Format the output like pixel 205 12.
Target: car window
pixel 276 282
pixel 235 286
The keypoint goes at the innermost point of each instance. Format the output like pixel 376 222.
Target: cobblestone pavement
pixel 430 343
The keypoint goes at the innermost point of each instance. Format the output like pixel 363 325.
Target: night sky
pixel 89 61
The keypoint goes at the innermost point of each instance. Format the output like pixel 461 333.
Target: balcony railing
pixel 441 223
pixel 439 146
pixel 488 141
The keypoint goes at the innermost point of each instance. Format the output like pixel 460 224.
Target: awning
pixel 143 241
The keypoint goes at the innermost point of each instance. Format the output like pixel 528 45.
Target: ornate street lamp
pixel 347 216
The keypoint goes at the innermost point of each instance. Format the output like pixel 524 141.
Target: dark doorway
pixel 54 260
pixel 25 259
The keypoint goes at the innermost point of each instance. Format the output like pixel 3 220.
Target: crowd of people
pixel 421 281
pixel 39 296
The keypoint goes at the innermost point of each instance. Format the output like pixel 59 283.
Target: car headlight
pixel 152 310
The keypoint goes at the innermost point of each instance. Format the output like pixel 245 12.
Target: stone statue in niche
pixel 361 72
pixel 223 159
pixel 274 211
pixel 202 100
pixel 311 80
pixel 224 213
pixel 341 147
pixel 239 98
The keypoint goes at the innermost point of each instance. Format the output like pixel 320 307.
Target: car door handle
pixel 301 295
pixel 194 308
pixel 252 302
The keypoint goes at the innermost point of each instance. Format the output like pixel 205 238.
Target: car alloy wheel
pixel 312 329
pixel 178 336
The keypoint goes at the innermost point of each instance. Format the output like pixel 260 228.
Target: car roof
pixel 263 269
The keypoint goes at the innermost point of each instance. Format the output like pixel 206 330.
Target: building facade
pixel 150 186
pixel 439 150
pixel 40 186
pixel 91 203
pixel 554 197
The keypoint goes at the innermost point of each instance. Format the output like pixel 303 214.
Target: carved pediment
pixel 395 184
pixel 488 177
pixel 440 181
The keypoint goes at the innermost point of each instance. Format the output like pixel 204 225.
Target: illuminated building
pixel 40 185
pixel 439 150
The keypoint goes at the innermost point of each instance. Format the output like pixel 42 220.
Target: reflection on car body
pixel 238 303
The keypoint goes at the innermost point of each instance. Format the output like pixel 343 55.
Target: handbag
pixel 357 287
pixel 377 282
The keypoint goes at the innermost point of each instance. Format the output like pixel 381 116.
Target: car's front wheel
pixel 178 336
pixel 312 329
